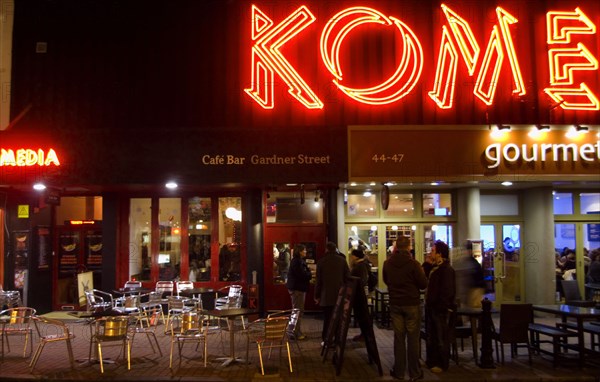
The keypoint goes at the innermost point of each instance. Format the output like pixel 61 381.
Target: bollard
pixel 486 360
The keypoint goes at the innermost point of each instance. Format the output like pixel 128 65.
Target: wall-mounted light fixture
pixel 385 197
pixel 543 127
pixel 499 131
pixel 503 127
pixel 39 186
pixel 582 129
pixel 317 196
pixel 171 185
pixel 538 131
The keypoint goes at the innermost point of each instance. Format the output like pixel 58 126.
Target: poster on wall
pixel 21 256
pixel 594 229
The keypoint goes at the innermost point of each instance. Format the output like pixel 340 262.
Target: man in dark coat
pixel 439 302
pixel 405 278
pixel 332 273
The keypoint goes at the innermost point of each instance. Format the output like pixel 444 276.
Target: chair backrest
pixel 60 331
pixel 175 302
pixel 183 285
pixel 132 284
pixel 275 328
pixel 191 322
pixel 164 287
pixel 571 290
pixel 292 315
pixel 234 296
pixel 514 322
pixel 112 328
pixel 20 315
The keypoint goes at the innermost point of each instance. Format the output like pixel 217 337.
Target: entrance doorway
pixel 79 249
pixel 501 262
pixel 280 242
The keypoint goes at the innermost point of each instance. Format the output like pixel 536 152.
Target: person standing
pixel 439 302
pixel 332 273
pixel 298 278
pixel 405 278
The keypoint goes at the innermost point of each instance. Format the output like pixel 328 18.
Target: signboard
pixel 469 153
pixel 23 211
pixel 337 332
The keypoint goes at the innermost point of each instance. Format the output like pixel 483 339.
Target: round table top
pixel 193 291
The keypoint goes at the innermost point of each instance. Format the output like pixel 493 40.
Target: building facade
pixel 277 123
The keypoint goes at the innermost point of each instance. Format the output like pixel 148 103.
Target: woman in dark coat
pixel 298 278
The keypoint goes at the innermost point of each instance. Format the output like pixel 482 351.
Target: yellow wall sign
pixel 23 211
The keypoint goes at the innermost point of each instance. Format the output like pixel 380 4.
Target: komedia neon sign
pixel 457 37
pixel 28 158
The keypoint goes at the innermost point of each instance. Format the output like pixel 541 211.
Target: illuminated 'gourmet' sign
pixel 566 59
pixel 28 157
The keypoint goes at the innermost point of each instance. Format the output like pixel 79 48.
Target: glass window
pixel 287 207
pixel 362 205
pixel 230 238
pixel 564 237
pixel 590 203
pixel 140 259
pixel 169 251
pixel 281 262
pixel 499 205
pixel 400 205
pixel 436 232
pixel 563 203
pixel 437 204
pixel 591 236
pixel 199 237
pixel 393 232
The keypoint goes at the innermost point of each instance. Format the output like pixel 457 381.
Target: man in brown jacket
pixel 405 278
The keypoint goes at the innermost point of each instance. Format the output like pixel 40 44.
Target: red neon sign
pixel 456 37
pixel 28 157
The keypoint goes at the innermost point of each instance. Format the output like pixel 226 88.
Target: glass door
pixel 79 250
pixel 501 262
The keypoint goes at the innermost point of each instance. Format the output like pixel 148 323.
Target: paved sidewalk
pixel 308 364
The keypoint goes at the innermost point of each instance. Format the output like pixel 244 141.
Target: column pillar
pixel 469 215
pixel 537 248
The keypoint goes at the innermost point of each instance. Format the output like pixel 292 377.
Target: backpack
pixel 372 281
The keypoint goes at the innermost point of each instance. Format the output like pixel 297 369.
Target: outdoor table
pixel 202 292
pixel 580 314
pixel 474 314
pixel 230 314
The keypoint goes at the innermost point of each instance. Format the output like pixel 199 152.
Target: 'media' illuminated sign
pixel 567 58
pixel 28 157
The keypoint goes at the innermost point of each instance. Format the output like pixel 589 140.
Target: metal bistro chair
pixel 190 330
pixel 54 331
pixel 153 300
pixel 17 321
pixel 176 306
pixel 293 315
pixel 112 329
pixel 146 322
pixel 232 300
pixel 98 300
pixel 269 333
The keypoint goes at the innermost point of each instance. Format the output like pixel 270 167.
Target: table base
pixel 230 360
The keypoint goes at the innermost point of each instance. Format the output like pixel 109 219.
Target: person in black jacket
pixel 439 302
pixel 298 278
pixel 405 279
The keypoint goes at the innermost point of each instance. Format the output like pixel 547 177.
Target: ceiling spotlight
pixel 171 185
pixel 39 186
pixel 317 196
pixel 506 183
